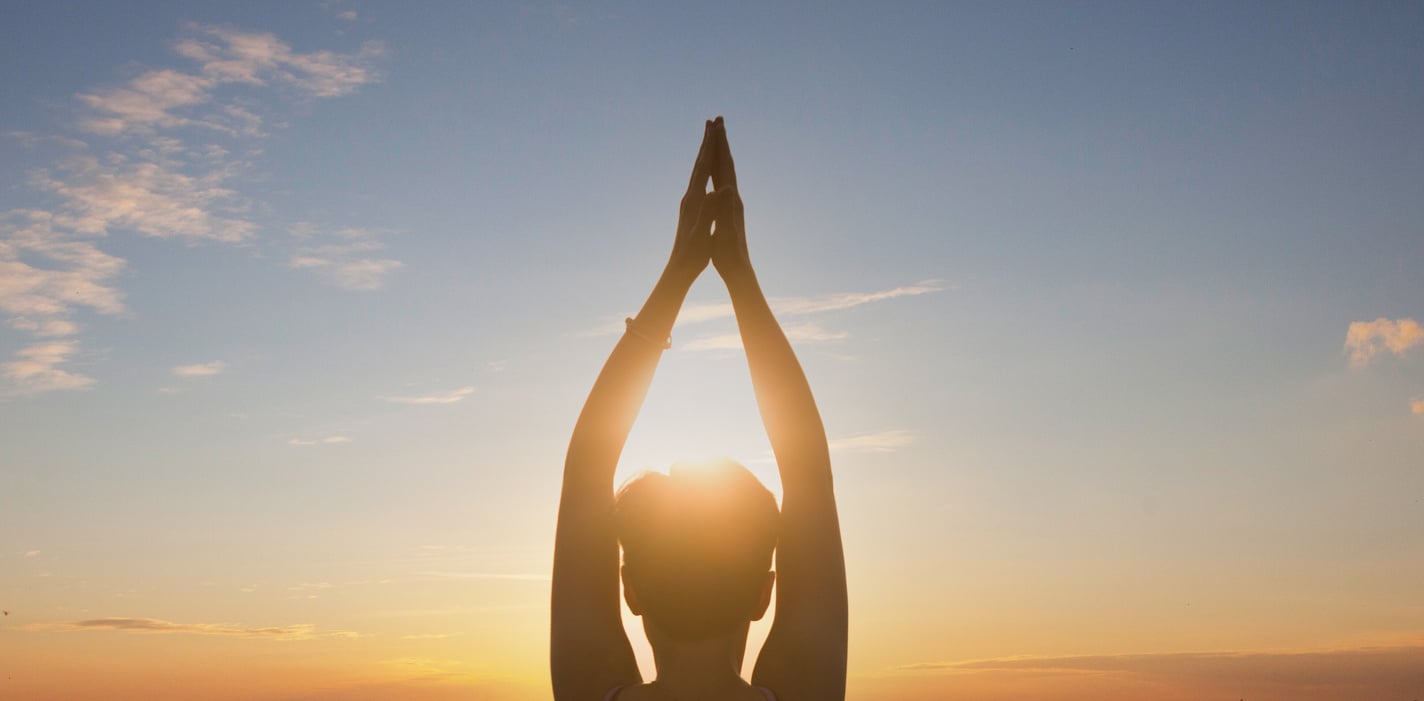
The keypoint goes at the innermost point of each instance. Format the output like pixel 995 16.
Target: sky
pixel 1111 311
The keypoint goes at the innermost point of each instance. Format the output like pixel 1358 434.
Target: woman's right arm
pixel 805 653
pixel 588 650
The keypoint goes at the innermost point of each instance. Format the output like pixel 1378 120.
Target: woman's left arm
pixel 589 651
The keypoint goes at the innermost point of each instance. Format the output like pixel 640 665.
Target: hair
pixel 697 546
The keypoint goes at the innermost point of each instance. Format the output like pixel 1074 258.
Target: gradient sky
pixel 1109 310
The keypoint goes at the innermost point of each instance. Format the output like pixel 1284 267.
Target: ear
pixel 766 588
pixel 629 595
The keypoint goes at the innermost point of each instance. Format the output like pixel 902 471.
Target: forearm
pixel 617 395
pixel 585 609
pixel 810 629
pixel 788 409
pixel 589 652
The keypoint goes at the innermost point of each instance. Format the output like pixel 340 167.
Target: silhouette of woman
pixel 698 542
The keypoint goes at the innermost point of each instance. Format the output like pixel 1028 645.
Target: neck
pixel 694 669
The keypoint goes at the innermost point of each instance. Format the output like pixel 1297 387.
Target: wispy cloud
pixel 847 300
pixel 200 369
pixel 329 440
pixel 796 333
pixel 46 277
pixel 309 590
pixel 453 610
pixel 1371 672
pixel 32 553
pixel 148 167
pixel 519 576
pixel 360 274
pixel 153 625
pixel 813 304
pixel 429 636
pixel 454 395
pixel 880 442
pixel 36 369
pixel 151 197
pixel 32 139
pixel 785 307
pixel 345 257
pixel 167 98
pixel 1367 339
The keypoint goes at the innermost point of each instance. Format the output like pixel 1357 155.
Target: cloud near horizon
pixel 150 166
pixel 155 626
pixel 516 576
pixel 1367 672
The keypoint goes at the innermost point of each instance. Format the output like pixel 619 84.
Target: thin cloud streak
pixel 814 304
pixel 31 140
pixel 1367 672
pixel 518 576
pixel 796 333
pixel 329 440
pixel 847 300
pixel 880 442
pixel 157 626
pixel 200 369
pixel 450 397
pixel 789 306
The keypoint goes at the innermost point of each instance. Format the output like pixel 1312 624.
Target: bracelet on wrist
pixel 631 329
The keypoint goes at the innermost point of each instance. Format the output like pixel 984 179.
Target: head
pixel 697 548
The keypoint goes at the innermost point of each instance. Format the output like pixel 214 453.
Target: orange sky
pixel 1111 313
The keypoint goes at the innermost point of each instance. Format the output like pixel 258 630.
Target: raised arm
pixel 589 651
pixel 804 657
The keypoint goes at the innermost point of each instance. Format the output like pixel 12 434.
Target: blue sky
pixel 1123 290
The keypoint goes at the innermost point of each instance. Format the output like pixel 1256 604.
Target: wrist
pixel 738 277
pixel 676 278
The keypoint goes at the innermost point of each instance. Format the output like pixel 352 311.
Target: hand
pixel 729 243
pixel 692 248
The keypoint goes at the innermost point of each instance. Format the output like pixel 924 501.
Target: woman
pixel 697 543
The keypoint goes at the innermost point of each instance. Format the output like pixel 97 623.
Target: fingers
pixel 729 214
pixel 706 161
pixel 711 211
pixel 724 173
